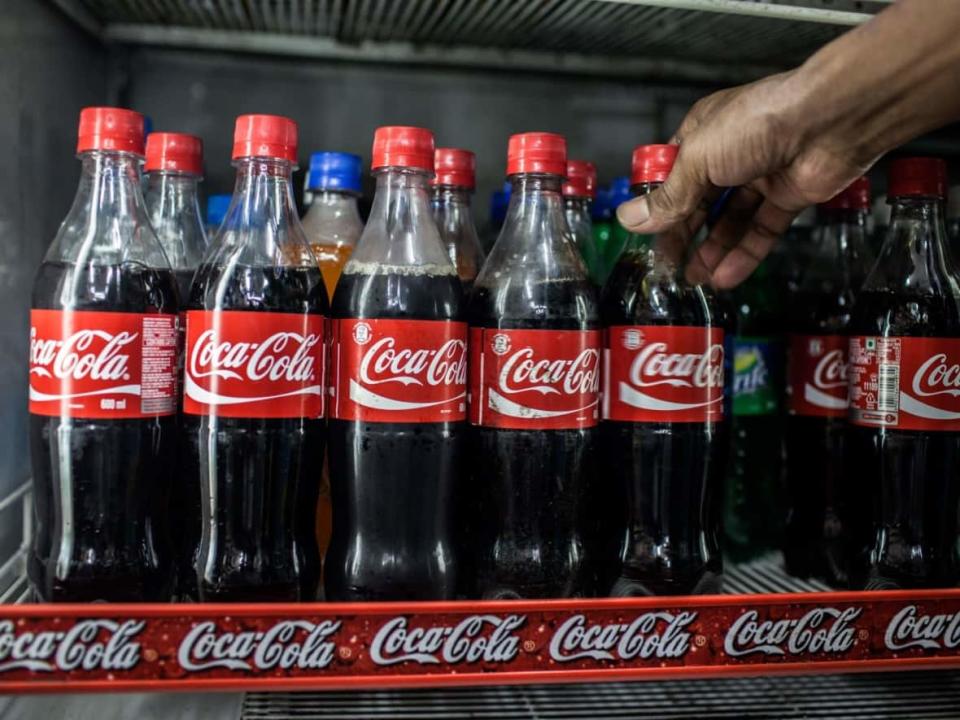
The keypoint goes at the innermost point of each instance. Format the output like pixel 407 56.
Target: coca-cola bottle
pixel 453 185
pixel 578 192
pixel 817 485
pixel 904 377
pixel 174 168
pixel 662 409
pixel 398 391
pixel 534 384
pixel 253 428
pixel 103 343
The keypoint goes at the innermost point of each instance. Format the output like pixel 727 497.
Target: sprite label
pixel 755 369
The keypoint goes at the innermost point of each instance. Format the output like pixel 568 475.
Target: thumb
pixel 674 201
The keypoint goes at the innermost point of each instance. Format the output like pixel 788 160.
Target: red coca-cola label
pixel 407 371
pixel 663 373
pixel 87 364
pixel 817 367
pixel 541 379
pixel 908 383
pixel 254 364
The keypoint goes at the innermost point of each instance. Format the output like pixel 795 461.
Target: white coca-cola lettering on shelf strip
pixel 81 647
pixel 287 644
pixel 282 356
pixel 820 630
pixel 524 372
pixel 912 629
pixel 477 638
pixel 659 635
pixel 383 363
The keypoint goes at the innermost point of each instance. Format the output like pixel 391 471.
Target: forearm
pixel 880 85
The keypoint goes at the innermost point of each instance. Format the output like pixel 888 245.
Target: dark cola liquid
pixel 910 475
pixel 530 532
pixel 393 484
pixel 101 486
pixel 254 481
pixel 667 476
pixel 820 493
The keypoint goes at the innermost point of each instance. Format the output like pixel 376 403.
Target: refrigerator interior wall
pixel 49 69
pixel 339 105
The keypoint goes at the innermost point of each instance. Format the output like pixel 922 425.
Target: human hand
pixel 762 139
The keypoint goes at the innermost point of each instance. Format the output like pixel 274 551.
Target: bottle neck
pixel 172 193
pixel 335 204
pixel 535 211
pixel 577 210
pixel 110 184
pixel 842 258
pixel 451 207
pixel 914 255
pixel 262 217
pixel 401 232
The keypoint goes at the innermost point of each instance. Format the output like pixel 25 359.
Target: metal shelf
pixel 694 40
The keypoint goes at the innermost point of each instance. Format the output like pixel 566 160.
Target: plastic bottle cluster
pixel 349 411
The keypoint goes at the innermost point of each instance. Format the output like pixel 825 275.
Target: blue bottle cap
pixel 600 210
pixel 217 206
pixel 619 191
pixel 334 171
pixel 499 201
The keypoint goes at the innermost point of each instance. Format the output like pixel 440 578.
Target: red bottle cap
pixel 402 146
pixel 537 152
pixel 174 152
pixel 652 163
pixel 267 136
pixel 581 179
pixel 855 197
pixel 108 128
pixel 917 176
pixel 455 167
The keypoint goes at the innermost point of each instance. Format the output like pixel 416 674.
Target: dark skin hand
pixel 791 140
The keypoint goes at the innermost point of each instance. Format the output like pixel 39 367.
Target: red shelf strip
pixel 168 647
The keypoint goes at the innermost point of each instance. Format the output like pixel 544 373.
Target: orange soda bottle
pixel 332 225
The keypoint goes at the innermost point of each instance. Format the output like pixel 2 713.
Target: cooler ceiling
pixel 695 40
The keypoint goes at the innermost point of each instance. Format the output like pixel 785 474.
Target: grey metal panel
pixel 49 70
pixel 338 106
pixel 724 40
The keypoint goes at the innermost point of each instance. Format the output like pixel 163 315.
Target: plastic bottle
pixel 755 502
pixel 453 184
pixel 610 251
pixel 332 224
pixel 578 192
pixel 534 391
pixel 663 410
pixel 103 364
pixel 904 375
pixel 174 168
pixel 253 429
pixel 398 401
pixel 818 484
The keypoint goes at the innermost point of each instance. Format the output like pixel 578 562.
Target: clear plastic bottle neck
pixel 333 219
pixel 842 257
pixel 535 213
pixel 262 226
pixel 400 235
pixel 914 257
pixel 107 223
pixel 451 210
pixel 173 206
pixel 577 208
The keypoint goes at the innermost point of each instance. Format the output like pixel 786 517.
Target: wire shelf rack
pixel 699 40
